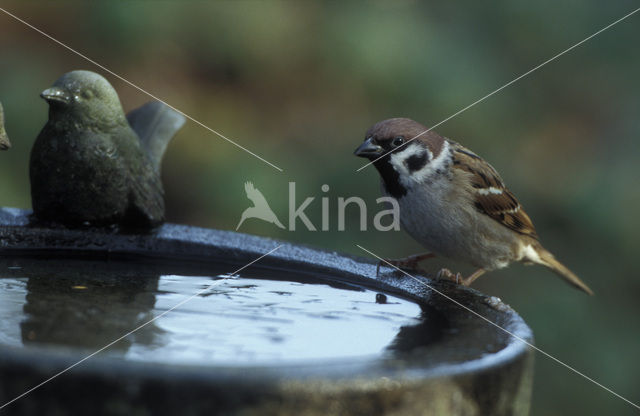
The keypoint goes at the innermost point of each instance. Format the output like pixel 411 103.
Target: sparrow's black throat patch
pixel 390 177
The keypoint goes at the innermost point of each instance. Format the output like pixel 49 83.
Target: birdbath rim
pixel 188 244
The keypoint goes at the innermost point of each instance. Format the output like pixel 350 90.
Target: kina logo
pixel 260 209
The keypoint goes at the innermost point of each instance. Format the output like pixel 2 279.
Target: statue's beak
pixel 55 94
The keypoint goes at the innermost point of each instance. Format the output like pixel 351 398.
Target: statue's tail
pixel 155 124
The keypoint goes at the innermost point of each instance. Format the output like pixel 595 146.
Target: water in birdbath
pixel 262 316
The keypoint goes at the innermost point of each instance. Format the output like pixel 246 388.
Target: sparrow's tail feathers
pixel 547 260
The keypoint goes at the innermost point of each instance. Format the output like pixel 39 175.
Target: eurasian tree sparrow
pixel 453 202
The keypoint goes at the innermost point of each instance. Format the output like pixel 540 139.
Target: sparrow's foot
pixel 457 277
pixel 447 274
pixel 407 263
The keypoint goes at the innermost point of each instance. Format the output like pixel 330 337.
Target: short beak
pixel 55 94
pixel 4 142
pixel 368 149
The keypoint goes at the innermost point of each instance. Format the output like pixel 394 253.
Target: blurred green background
pixel 298 83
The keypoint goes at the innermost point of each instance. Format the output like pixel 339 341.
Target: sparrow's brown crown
pixel 384 132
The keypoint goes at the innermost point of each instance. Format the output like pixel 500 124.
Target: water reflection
pixel 88 311
pixel 85 306
pixel 431 326
pixel 88 304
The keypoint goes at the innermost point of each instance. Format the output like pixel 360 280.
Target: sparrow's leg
pixel 457 277
pixel 473 277
pixel 409 263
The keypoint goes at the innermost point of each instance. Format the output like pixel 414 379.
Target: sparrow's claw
pixel 457 277
pixel 387 263
pixel 447 274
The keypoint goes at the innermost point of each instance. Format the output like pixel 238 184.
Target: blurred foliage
pixel 298 83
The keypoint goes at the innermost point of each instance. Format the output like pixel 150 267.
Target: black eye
pixel 398 141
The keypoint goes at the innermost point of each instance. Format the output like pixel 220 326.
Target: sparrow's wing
pixel 147 194
pixel 491 196
pixel 155 124
pixel 255 196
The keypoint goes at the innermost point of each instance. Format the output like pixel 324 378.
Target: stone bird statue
pixel 90 165
pixel 5 144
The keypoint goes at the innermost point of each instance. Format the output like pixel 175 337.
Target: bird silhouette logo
pixel 260 208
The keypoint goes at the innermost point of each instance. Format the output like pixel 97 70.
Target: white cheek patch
pixel 408 178
pixel 397 159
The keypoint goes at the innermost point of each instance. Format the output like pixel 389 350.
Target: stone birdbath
pixel 300 332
